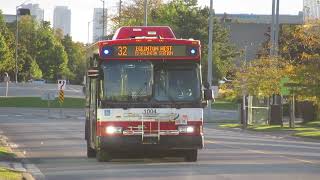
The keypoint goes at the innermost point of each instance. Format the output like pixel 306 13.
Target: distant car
pixel 38 81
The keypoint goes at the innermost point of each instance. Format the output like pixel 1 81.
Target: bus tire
pixel 103 156
pixel 191 155
pixel 91 153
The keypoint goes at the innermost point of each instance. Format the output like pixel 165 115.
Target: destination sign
pixel 152 51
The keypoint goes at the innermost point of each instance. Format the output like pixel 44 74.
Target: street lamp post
pixel 102 19
pixel 17 34
pixel 88 32
pixel 120 7
pixel 275 28
pixel 210 53
pixel 145 12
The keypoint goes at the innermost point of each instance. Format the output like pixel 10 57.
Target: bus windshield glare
pixel 134 81
pixel 127 80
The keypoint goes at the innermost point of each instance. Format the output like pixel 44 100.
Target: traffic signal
pixel 23 11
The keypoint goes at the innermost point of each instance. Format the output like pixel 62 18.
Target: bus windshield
pixel 177 84
pixel 134 81
pixel 127 80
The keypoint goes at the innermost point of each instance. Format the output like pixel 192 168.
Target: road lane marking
pixel 210 142
pixel 264 152
pixel 270 153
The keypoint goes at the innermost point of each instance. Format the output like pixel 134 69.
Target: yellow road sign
pixel 61 96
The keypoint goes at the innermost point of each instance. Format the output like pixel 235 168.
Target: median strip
pixel 36 102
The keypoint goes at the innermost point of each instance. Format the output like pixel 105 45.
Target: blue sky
pixel 82 10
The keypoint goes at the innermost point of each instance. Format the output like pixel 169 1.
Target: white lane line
pixel 282 156
pixel 210 142
pixel 17 115
pixel 264 152
pixel 4 115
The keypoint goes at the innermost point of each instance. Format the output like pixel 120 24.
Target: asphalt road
pixel 38 90
pixel 57 147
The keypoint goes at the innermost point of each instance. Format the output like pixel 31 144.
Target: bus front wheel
pixel 103 156
pixel 91 153
pixel 191 155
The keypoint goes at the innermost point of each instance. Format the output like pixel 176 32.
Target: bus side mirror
pixel 93 73
pixel 208 94
pixel 84 89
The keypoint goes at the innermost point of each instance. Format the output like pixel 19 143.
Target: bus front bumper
pixel 128 143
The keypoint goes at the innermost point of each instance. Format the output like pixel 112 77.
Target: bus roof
pixel 130 32
pixel 151 42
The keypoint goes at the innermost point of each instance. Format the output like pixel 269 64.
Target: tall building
pixel 9 18
pixel 98 23
pixel 311 9
pixel 62 19
pixel 35 11
pixel 260 19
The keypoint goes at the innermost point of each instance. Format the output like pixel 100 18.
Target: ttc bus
pixel 144 95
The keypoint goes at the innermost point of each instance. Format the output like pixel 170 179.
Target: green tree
pixel 132 13
pixel 50 54
pixel 27 51
pixel 187 21
pixel 7 62
pixel 76 58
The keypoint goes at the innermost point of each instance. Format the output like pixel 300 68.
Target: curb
pixel 16 165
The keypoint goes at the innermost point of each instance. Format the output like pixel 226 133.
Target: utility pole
pixel 272 28
pixel 275 28
pixel 210 52
pixel 17 37
pixel 276 42
pixel 102 37
pixel 88 32
pixel 145 13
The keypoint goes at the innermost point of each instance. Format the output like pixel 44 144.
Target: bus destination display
pixel 150 51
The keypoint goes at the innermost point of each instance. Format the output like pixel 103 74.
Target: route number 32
pixel 122 51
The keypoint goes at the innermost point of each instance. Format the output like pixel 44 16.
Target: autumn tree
pixel 262 78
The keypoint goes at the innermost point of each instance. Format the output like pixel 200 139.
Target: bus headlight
pixel 186 129
pixel 113 130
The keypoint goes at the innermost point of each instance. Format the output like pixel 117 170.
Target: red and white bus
pixel 144 95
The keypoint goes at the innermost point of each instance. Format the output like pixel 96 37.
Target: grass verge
pixel 8 174
pixel 221 104
pixel 7 155
pixel 38 103
pixel 309 130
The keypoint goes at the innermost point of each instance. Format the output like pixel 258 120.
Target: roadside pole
pixel 61 99
pixel 244 112
pixel 292 115
pixel 7 88
pixel 210 53
pixel 145 10
pixel 7 79
pixel 49 96
pixel 61 88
